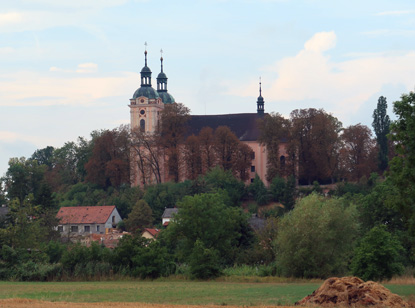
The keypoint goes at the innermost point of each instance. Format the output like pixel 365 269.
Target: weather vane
pixel 145 44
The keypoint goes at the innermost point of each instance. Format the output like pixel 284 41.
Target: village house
pixel 150 234
pixel 85 220
pixel 168 214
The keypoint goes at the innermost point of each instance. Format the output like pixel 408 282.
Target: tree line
pixel 364 225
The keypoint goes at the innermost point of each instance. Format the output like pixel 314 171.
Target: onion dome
pixel 167 98
pixel 146 89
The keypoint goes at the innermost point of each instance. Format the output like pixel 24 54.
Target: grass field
pixel 172 292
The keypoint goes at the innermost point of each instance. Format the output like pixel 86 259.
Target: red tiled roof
pixel 153 232
pixel 85 214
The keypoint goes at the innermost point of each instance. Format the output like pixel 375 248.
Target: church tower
pixel 167 98
pixel 260 101
pixel 146 104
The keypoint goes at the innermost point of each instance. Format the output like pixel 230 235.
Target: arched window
pixel 142 125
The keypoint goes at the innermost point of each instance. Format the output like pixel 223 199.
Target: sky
pixel 69 67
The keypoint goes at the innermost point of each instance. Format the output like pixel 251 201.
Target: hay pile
pixel 348 291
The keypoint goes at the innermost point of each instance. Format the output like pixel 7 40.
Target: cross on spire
pixel 260 88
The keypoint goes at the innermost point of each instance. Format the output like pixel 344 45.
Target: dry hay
pixel 352 291
pixel 31 303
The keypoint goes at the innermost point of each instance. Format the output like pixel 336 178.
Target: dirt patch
pixel 352 291
pixel 30 303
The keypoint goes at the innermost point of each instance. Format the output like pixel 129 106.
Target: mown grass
pixel 171 292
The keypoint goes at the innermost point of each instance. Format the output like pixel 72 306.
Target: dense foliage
pixel 363 223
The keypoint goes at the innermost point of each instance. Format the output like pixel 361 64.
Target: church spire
pixel 260 101
pixel 145 71
pixel 161 78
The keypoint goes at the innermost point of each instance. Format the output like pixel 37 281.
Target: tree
pixel 381 123
pixel 259 191
pixel 148 157
pixel 172 130
pixel 274 130
pixel 277 188
pixel 316 238
pixel 206 141
pixel 377 256
pixel 226 146
pixel 205 226
pixel 140 217
pixel 109 164
pixel 218 179
pixel 243 161
pixel 357 153
pixel 44 156
pixel 23 177
pixel 315 136
pixel 193 158
pixel 402 166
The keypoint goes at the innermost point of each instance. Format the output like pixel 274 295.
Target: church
pixel 147 104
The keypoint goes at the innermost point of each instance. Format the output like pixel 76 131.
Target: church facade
pixel 147 104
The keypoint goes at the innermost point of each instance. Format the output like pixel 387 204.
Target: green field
pixel 171 292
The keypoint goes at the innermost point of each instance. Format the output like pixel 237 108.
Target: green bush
pixel 315 239
pixel 204 262
pixel 378 256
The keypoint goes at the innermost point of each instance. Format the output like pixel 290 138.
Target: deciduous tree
pixel 274 130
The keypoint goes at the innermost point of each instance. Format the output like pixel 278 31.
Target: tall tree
pixel 148 159
pixel 193 159
pixel 358 147
pixel 140 217
pixel 274 130
pixel 315 135
pixel 402 165
pixel 226 146
pixel 173 127
pixel 109 164
pixel 381 123
pixel 206 141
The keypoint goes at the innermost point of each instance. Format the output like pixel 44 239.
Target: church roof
pixel 243 125
pixel 146 91
pixel 167 98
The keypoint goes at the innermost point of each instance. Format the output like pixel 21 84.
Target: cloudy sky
pixel 69 67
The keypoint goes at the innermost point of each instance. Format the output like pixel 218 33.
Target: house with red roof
pixel 85 220
pixel 150 233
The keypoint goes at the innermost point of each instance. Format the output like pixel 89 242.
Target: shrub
pixel 315 239
pixel 378 255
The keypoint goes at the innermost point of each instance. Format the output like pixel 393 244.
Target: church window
pixel 142 112
pixel 253 155
pixel 252 168
pixel 142 125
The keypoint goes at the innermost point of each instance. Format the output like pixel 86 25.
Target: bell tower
pixel 146 104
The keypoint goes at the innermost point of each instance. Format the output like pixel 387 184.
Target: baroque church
pixel 147 103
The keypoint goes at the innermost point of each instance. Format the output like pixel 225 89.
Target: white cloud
pixel 10 18
pixel 321 41
pixel 11 137
pixel 34 89
pixel 87 68
pixel 6 50
pixel 340 87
